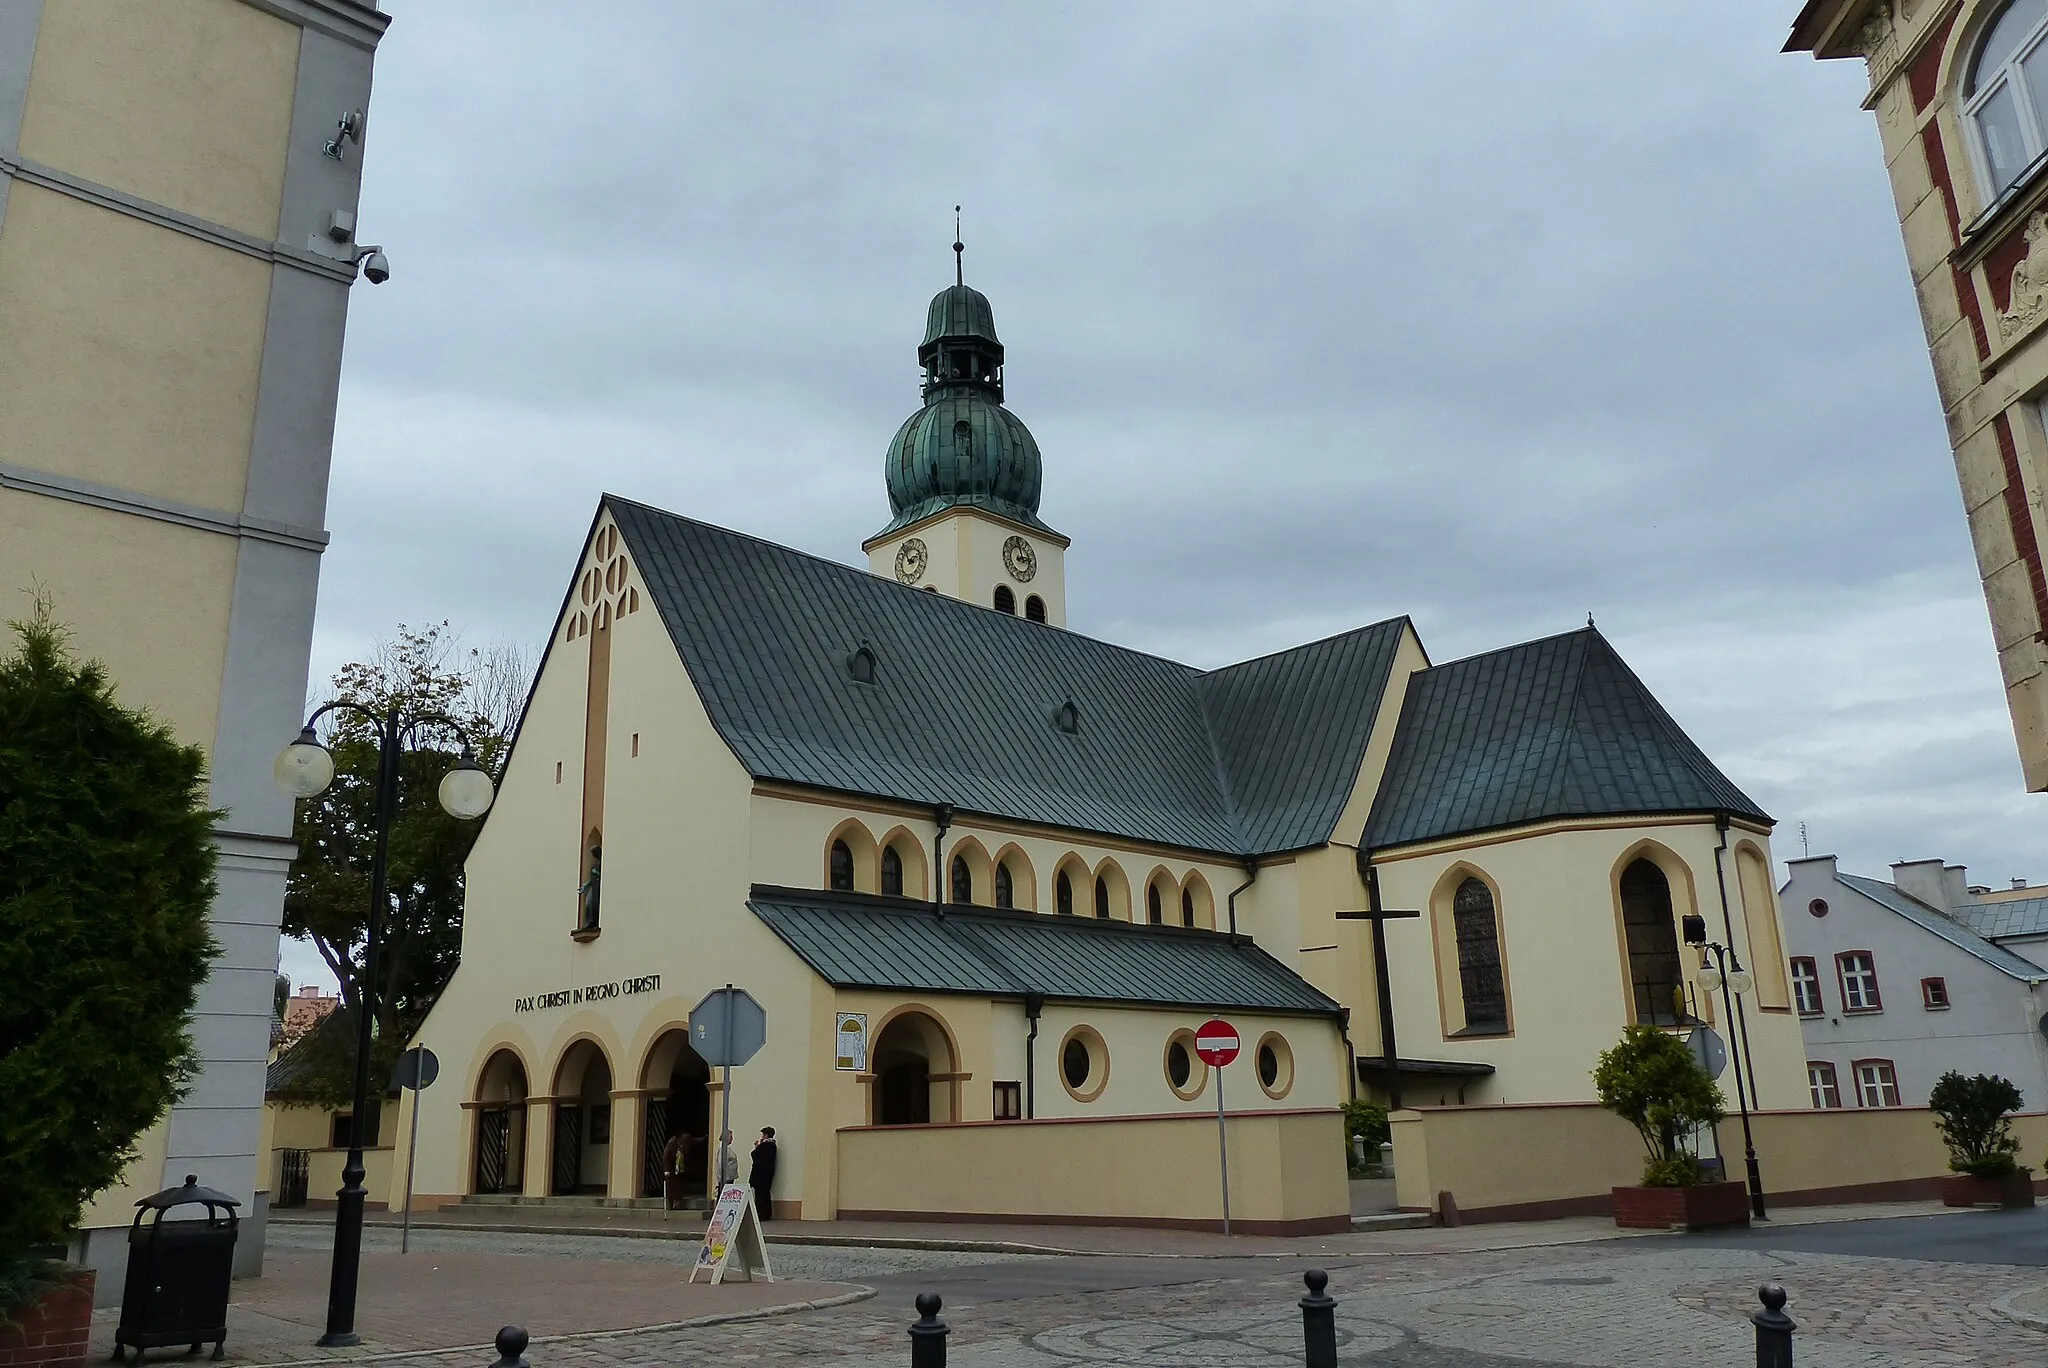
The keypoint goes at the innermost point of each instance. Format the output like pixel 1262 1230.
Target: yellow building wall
pixel 116 1205
pixel 89 294
pixel 187 104
pixel 1562 952
pixel 149 599
pixel 1286 1172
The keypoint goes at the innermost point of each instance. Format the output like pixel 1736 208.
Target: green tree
pixel 1972 1115
pixel 106 878
pixel 1650 1080
pixel 327 896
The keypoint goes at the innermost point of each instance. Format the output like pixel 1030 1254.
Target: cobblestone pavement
pixel 1625 1304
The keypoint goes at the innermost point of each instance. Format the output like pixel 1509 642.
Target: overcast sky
pixel 1493 315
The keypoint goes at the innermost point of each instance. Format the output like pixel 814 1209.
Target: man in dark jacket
pixel 761 1175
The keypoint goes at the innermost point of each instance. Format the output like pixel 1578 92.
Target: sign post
pixel 417 1069
pixel 728 1027
pixel 1217 1044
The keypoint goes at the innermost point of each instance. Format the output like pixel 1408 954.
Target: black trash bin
pixel 177 1286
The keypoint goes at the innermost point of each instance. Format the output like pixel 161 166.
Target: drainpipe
pixel 1251 871
pixel 1032 1007
pixel 1350 1050
pixel 943 815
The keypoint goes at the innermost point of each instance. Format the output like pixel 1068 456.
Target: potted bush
pixel 1972 1115
pixel 1650 1080
pixel 106 877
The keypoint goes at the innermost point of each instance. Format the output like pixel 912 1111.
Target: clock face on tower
pixel 1020 559
pixel 912 558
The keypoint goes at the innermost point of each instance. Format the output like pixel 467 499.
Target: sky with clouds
pixel 1494 315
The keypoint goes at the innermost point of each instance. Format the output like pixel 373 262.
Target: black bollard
pixel 928 1336
pixel 512 1341
pixel 1773 1328
pixel 1319 1321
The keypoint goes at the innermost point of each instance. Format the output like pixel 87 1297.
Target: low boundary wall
pixel 1287 1172
pixel 1543 1161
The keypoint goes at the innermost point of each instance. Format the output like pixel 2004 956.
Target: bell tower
pixel 963 475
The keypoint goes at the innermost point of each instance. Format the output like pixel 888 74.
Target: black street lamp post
pixel 304 770
pixel 1727 974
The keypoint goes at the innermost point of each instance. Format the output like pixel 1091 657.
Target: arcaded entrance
pixel 914 1079
pixel 678 1108
pixel 582 1151
pixel 499 1164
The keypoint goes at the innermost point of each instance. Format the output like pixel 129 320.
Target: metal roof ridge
pixel 1305 645
pixel 884 902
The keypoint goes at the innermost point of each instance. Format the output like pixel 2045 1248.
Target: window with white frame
pixel 1857 971
pixel 1820 1080
pixel 1877 1085
pixel 2005 96
pixel 1806 986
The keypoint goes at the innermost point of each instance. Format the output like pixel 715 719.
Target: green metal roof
pixel 963 447
pixel 1256 758
pixel 1559 727
pixel 960 311
pixel 859 941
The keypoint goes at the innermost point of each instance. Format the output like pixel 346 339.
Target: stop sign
pixel 1216 1042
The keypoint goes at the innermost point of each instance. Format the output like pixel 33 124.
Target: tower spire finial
pixel 959 271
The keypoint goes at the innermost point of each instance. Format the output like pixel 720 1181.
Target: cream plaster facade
pixel 172 305
pixel 1971 250
pixel 964 558
pixel 688 835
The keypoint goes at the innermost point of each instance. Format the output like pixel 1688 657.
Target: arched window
pixel 1646 921
pixel 892 872
pixel 1034 608
pixel 1479 976
pixel 842 867
pixel 2006 95
pixel 1153 913
pixel 963 881
pixel 1006 601
pixel 1102 897
pixel 1063 894
pixel 1006 895
pixel 1187 907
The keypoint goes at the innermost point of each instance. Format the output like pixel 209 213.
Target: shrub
pixel 106 877
pixel 1650 1080
pixel 1367 1119
pixel 1972 1116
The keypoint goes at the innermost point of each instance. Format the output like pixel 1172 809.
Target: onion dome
pixel 963 447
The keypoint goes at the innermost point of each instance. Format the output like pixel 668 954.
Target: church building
pixel 987 875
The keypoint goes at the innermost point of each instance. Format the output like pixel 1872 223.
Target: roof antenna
pixel 959 272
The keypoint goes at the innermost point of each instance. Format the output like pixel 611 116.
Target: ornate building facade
pixel 1960 92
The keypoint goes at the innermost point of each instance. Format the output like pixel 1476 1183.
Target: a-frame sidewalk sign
pixel 733 1242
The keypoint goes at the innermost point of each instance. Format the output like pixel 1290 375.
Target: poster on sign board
pixel 850 1043
pixel 733 1242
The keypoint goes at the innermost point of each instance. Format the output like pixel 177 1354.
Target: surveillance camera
pixel 377 268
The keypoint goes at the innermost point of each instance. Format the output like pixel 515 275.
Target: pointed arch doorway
pixel 677 1087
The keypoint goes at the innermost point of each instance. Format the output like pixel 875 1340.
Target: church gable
pixel 1554 728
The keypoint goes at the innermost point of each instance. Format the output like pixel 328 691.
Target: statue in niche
pixel 588 893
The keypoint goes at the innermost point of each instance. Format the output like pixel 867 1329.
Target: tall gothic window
pixel 1006 893
pixel 842 867
pixel 1153 912
pixel 1101 897
pixel 1063 894
pixel 892 872
pixel 1034 608
pixel 2006 95
pixel 1479 976
pixel 1652 935
pixel 963 881
pixel 1006 600
pixel 1187 907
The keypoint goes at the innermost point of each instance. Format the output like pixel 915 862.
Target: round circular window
pixel 1275 1064
pixel 1819 907
pixel 1185 1073
pixel 1084 1064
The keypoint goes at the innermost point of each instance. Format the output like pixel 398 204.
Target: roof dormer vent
pixel 1068 718
pixel 861 664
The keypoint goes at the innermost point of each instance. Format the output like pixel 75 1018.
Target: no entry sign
pixel 1216 1042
